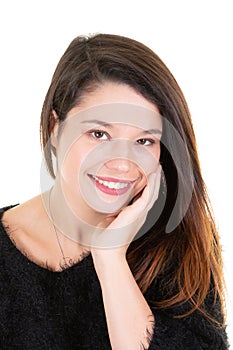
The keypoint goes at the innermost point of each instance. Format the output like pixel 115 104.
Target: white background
pixel 194 39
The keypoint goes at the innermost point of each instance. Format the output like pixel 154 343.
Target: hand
pixel 116 237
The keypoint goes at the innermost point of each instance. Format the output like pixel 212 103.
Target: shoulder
pixel 17 221
pixel 5 209
pixel 8 221
pixel 3 223
pixel 18 215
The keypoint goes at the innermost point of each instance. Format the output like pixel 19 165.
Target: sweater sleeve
pixel 193 332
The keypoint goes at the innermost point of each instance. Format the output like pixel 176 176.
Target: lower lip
pixel 111 191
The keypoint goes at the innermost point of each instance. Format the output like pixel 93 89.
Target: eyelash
pixel 91 132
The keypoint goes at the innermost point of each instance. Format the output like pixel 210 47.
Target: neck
pixel 72 219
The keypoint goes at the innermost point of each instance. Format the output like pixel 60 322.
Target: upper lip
pixel 112 179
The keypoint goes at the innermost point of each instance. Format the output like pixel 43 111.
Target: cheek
pixel 69 169
pixel 155 152
pixel 157 155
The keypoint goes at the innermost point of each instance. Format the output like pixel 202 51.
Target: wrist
pixel 109 261
pixel 109 254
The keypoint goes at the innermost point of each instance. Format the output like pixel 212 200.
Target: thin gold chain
pixel 65 264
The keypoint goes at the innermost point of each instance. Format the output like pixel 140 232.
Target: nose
pixel 120 165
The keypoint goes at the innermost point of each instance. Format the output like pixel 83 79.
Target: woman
pixel 122 252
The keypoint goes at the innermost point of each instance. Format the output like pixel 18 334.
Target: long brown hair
pixel 186 261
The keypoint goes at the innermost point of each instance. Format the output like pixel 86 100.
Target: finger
pixel 142 205
pixel 151 191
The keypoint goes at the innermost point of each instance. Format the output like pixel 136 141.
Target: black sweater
pixel 45 310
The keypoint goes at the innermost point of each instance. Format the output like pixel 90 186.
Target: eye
pixel 99 134
pixel 145 142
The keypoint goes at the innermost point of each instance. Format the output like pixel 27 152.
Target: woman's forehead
pixel 117 113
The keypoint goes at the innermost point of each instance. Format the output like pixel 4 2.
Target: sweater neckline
pixel 85 258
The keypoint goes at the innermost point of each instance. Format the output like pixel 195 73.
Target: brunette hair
pixel 187 262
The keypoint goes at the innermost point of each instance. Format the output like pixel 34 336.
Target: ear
pixel 53 127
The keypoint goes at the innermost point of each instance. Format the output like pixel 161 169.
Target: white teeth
pixel 115 185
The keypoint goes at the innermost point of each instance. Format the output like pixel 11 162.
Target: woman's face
pixel 107 147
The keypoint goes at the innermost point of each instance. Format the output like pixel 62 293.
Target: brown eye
pixel 99 134
pixel 145 142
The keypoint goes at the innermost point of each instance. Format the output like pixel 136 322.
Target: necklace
pixel 65 264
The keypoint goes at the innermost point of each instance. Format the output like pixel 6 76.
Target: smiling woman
pixel 122 251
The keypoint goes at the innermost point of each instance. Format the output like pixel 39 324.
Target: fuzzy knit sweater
pixel 45 310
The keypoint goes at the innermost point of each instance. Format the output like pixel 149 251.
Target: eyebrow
pixel 152 131
pixel 95 121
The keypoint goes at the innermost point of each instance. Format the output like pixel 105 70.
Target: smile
pixel 110 185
